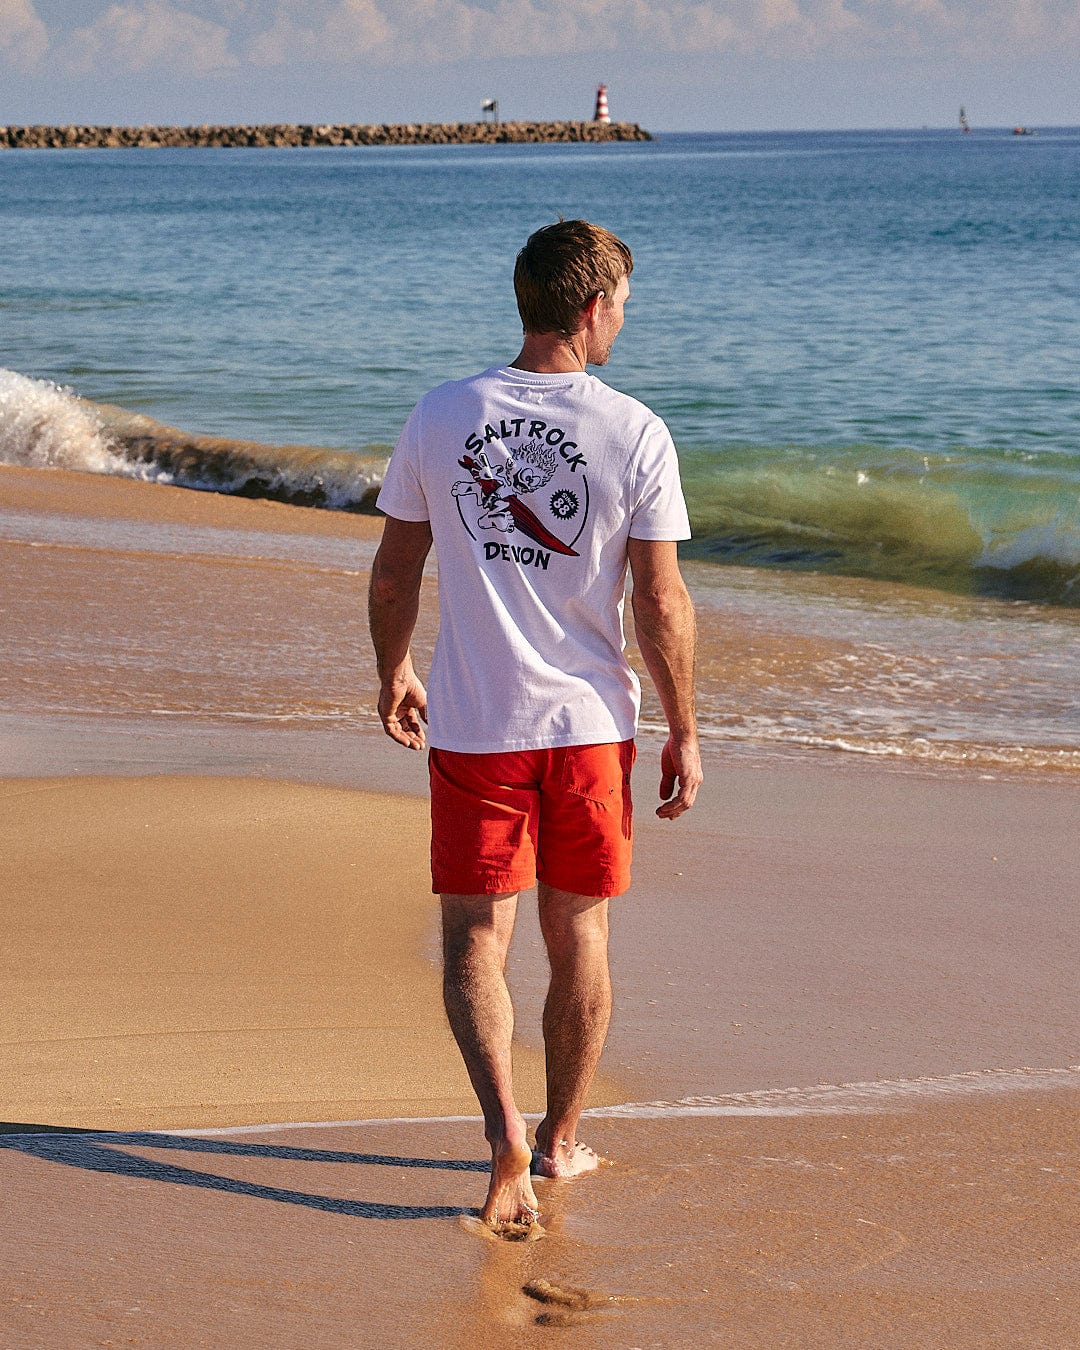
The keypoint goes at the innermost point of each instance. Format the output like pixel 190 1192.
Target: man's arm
pixel 393 604
pixel 666 633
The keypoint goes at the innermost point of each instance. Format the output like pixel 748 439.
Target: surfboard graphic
pixel 524 518
pixel 527 523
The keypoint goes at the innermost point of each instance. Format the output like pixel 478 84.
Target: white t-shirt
pixel 532 485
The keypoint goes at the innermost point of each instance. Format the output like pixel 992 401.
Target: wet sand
pixel 198 937
pixel 943 1226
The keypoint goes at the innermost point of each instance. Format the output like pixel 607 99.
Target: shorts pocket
pixel 599 773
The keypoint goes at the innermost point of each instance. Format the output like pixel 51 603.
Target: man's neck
pixel 551 354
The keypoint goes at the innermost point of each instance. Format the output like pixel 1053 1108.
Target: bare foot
pixel 565 1160
pixel 511 1201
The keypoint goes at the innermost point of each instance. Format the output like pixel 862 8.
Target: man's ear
pixel 591 306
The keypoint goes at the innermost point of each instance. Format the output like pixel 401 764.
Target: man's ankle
pixel 508 1131
pixel 548 1138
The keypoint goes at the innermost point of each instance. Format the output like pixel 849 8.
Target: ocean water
pixel 864 344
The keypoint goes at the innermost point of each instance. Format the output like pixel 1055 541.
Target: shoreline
pixel 798 668
pixel 290 135
pixel 43 425
pixel 886 1097
pixel 186 622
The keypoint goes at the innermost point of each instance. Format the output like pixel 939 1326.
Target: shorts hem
pixel 604 888
pixel 495 883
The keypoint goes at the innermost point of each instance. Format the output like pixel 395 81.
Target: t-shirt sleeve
pixel 657 508
pixel 402 494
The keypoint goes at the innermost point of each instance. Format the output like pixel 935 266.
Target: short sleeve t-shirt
pixel 532 485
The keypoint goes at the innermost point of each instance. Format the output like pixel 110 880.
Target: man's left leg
pixel 476 935
pixel 576 1017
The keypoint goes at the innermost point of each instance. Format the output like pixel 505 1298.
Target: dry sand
pixel 192 952
pixel 199 950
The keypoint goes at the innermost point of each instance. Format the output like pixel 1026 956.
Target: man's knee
pixel 571 922
pixel 477 923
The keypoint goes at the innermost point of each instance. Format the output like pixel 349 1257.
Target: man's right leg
pixel 576 1017
pixel 476 936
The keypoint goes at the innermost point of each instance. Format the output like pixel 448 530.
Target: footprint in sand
pixel 565 1302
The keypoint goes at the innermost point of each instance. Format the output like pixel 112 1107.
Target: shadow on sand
pixel 103 1151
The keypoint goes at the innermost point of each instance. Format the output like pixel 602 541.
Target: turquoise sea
pixel 864 344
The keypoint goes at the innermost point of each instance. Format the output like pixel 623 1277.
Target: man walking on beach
pixel 538 485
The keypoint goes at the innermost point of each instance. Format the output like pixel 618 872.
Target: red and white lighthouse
pixel 601 114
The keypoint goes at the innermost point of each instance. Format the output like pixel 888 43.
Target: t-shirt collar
pixel 539 377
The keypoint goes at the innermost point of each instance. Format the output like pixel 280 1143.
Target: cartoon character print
pixel 498 489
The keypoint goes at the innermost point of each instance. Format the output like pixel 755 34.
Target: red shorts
pixel 501 822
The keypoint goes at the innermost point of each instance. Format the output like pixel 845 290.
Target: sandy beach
pixel 218 919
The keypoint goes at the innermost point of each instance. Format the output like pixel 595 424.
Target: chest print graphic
pixel 541 468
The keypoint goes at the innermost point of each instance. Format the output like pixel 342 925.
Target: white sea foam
pixel 902 747
pixel 848 1098
pixel 822 1099
pixel 1056 541
pixel 887 1094
pixel 44 427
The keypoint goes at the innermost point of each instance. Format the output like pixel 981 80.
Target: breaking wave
pixel 986 522
pixel 981 521
pixel 43 426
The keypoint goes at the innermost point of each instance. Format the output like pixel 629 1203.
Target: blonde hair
pixel 561 268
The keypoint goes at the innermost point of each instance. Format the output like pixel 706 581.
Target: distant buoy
pixel 601 114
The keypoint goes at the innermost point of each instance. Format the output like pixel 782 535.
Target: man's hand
pixel 402 705
pixel 664 624
pixel 680 764
pixel 393 604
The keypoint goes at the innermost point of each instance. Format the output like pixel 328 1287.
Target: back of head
pixel 561 268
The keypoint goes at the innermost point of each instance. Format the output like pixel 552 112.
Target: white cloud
pixel 432 32
pixel 150 36
pixel 1020 28
pixel 211 36
pixel 24 39
pixel 339 33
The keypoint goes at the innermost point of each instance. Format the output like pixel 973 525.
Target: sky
pixel 672 65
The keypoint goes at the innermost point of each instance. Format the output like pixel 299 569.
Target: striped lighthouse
pixel 601 114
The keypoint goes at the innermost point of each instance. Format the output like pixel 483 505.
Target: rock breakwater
pixel 284 135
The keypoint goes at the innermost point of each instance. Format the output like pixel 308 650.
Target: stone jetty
pixel 290 134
